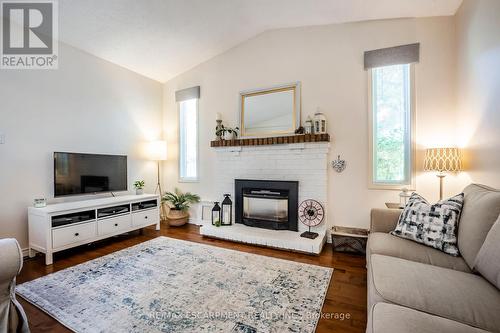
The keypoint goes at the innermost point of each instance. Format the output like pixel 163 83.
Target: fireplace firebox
pixel 269 204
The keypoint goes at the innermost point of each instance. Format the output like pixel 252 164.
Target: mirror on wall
pixel 271 111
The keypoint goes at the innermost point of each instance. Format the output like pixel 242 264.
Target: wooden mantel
pixel 277 140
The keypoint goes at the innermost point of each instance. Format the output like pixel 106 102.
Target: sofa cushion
pixel 390 318
pixel 433 225
pixel 459 296
pixel 480 211
pixel 488 259
pixel 389 245
pixel 383 219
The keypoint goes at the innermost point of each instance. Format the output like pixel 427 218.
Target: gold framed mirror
pixel 271 111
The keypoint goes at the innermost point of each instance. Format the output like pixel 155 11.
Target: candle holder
pixel 216 215
pixel 403 197
pixel 227 211
pixel 218 132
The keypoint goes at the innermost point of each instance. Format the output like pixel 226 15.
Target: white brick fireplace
pixel 306 163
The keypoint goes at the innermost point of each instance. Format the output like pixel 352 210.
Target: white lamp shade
pixel 157 150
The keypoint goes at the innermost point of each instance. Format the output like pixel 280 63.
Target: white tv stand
pixel 61 226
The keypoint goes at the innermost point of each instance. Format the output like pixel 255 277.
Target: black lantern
pixel 227 211
pixel 216 216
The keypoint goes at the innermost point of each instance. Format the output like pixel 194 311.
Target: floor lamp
pixel 442 160
pixel 158 153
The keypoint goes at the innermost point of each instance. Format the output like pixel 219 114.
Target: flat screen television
pixel 76 173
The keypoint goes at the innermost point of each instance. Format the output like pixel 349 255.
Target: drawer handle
pixel 77 234
pixel 116 224
pixel 145 217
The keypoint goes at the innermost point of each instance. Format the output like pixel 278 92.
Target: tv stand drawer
pixel 113 224
pixel 145 217
pixel 73 234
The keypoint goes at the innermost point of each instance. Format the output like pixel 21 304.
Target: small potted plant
pixel 139 187
pixel 227 133
pixel 179 203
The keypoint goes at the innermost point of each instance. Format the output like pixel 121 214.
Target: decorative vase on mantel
pixel 218 128
pixel 177 217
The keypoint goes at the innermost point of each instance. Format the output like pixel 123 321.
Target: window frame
pixel 197 178
pixel 391 186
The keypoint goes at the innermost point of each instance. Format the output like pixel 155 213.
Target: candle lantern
pixel 403 197
pixel 319 123
pixel 216 214
pixel 227 210
pixel 308 125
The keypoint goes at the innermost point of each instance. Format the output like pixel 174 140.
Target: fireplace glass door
pixel 268 204
pixel 265 207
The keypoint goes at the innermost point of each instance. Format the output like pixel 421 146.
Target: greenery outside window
pixel 188 140
pixel 392 122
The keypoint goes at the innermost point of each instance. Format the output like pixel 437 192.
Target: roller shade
pixel 188 93
pixel 404 54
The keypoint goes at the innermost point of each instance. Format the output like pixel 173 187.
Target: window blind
pixel 188 93
pixel 398 55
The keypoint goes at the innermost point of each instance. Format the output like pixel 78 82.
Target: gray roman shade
pixel 188 93
pixel 404 54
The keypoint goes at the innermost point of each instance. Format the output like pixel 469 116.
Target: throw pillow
pixel 487 262
pixel 432 225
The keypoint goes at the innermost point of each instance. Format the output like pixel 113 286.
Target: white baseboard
pixel 25 252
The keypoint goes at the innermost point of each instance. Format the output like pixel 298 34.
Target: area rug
pixel 168 285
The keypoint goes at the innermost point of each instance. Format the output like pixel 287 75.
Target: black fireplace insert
pixel 269 204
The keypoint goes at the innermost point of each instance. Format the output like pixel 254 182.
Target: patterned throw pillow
pixel 432 225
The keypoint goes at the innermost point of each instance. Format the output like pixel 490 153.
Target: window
pixel 188 140
pixel 391 127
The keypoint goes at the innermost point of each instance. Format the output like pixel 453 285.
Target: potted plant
pixel 179 205
pixel 227 133
pixel 139 187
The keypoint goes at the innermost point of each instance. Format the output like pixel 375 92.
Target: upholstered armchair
pixel 12 316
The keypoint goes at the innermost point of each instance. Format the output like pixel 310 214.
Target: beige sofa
pixel 12 316
pixel 415 288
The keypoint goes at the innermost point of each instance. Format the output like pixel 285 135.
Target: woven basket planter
pixel 177 218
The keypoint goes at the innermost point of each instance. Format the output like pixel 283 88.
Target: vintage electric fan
pixel 311 214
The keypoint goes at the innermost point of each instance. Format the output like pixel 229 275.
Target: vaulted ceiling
pixel 163 38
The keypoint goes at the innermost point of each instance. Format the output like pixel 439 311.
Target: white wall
pixel 328 60
pixel 87 105
pixel 478 41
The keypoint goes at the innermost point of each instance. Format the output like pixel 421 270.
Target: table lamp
pixel 442 160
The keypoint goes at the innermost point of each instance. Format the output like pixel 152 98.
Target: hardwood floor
pixel 346 294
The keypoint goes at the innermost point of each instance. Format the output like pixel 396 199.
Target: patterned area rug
pixel 168 285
